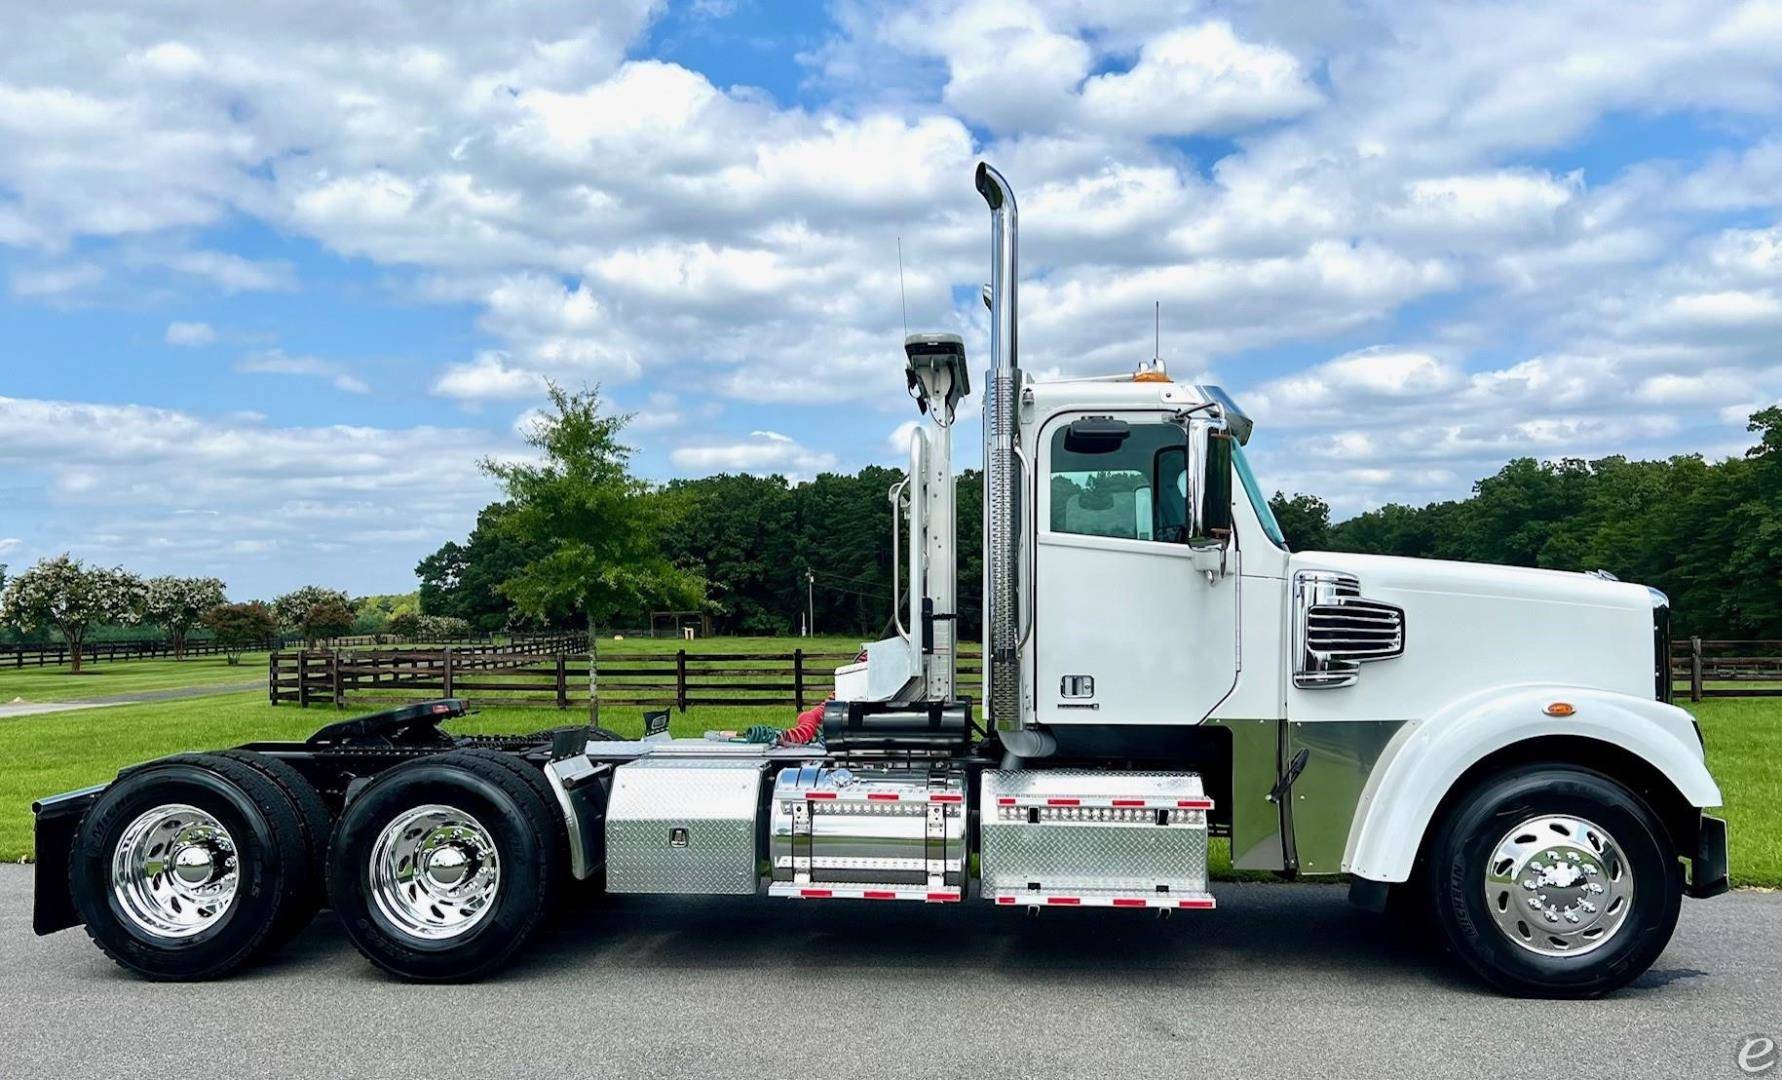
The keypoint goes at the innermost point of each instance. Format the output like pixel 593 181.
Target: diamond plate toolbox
pixel 684 826
pixel 1127 833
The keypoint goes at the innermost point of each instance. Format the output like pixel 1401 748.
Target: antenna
pixel 1157 329
pixel 902 297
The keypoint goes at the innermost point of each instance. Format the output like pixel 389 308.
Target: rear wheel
pixel 1555 881
pixel 444 868
pixel 187 868
pixel 310 889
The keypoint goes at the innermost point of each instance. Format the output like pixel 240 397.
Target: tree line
pixel 1706 533
pixel 63 598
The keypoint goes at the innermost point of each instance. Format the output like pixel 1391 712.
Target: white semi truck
pixel 1492 750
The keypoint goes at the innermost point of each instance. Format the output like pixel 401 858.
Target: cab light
pixel 1560 708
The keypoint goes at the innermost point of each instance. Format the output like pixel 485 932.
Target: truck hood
pixel 1472 626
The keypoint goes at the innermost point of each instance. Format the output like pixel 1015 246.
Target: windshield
pixel 1257 499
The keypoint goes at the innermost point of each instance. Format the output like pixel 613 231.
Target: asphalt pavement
pixel 1280 981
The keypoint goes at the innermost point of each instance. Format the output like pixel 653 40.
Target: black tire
pixel 268 857
pixel 1464 841
pixel 534 778
pixel 310 888
pixel 522 826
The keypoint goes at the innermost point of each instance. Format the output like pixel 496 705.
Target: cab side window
pixel 1114 479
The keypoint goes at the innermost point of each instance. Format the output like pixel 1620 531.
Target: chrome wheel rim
pixel 1559 886
pixel 435 872
pixel 174 871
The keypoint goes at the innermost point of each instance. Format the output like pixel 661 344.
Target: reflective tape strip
pixel 1130 901
pixel 1063 901
pixel 1064 802
pixel 1129 802
pixel 947 797
pixel 878 894
pixel 1194 804
pixel 881 796
pixel 819 794
pixel 1203 903
pixel 815 894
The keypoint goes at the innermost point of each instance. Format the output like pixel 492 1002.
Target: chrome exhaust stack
pixel 1002 616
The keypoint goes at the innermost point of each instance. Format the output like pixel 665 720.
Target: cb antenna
pixel 902 297
pixel 1157 329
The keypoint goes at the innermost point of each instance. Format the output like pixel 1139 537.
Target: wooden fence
pixel 55 655
pixel 680 679
pixel 1704 667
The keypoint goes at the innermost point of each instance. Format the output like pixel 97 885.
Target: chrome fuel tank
pixel 900 829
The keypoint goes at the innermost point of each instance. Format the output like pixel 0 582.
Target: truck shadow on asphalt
pixel 1285 928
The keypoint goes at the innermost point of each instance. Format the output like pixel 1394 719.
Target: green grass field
pixel 60 751
pixel 98 679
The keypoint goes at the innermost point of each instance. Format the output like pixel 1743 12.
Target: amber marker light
pixel 1560 708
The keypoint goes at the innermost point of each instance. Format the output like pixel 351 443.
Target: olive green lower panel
pixel 1256 842
pixel 1340 756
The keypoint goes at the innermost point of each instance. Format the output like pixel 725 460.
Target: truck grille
pixel 1339 629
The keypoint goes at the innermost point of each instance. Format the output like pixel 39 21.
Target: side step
pixel 1081 838
pixel 1097 898
pixel 857 891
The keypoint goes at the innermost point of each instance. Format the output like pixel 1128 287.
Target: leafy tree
pixel 325 619
pixel 1304 521
pixel 240 627
pixel 372 614
pixel 464 580
pixel 600 528
pixel 176 604
pixel 435 628
pixel 64 594
pixel 293 608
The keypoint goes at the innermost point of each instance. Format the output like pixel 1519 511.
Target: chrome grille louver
pixel 1336 629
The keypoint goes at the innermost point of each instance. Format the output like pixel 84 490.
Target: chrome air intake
pixel 1001 479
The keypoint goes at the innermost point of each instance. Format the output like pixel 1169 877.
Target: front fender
pixel 1427 757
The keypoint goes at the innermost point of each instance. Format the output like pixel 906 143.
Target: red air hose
pixel 806 728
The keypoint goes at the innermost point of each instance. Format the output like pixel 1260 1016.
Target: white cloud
pixel 1199 79
pixel 168 489
pixel 276 362
pixel 190 334
pixel 898 442
pixel 54 282
pixel 760 452
pixel 485 378
pixel 1394 201
pixel 10 544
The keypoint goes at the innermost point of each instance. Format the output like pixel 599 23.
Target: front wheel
pixel 1554 881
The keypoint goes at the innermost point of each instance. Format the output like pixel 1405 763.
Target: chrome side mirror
pixel 1212 500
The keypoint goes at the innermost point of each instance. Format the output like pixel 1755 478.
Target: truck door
pixel 1126 630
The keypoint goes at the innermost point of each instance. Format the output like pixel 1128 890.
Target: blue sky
pixel 271 285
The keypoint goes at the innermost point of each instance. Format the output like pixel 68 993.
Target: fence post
pixel 798 679
pixel 272 677
pixel 562 683
pixel 447 688
pixel 303 679
pixel 680 680
pixel 1695 669
pixel 334 679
